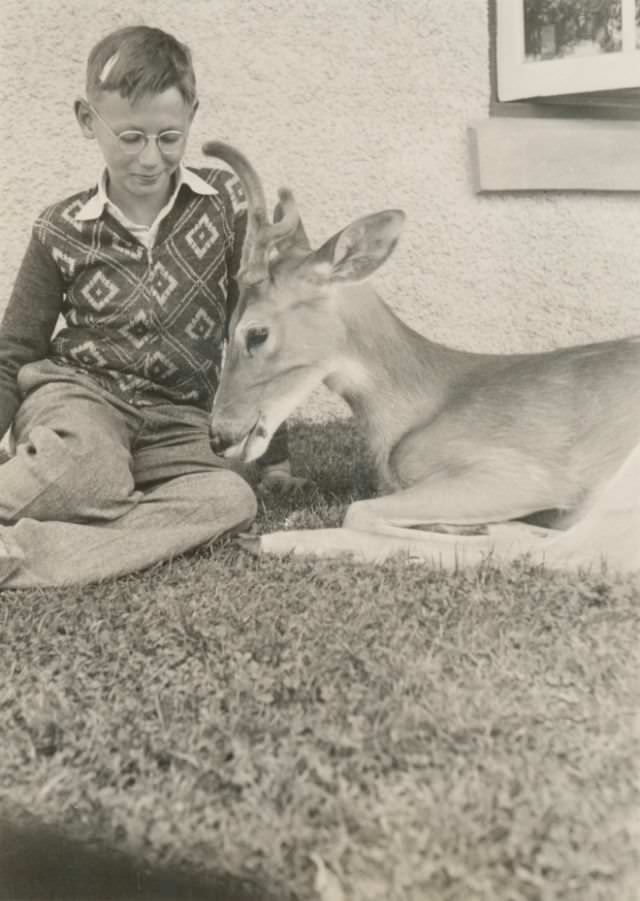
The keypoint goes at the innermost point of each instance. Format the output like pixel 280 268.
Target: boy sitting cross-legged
pixel 113 469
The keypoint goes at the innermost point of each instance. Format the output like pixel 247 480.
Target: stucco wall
pixel 357 106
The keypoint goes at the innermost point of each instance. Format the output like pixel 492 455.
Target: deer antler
pixel 261 235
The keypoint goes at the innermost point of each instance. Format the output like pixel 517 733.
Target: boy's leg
pixel 174 442
pixel 170 519
pixel 189 498
pixel 72 460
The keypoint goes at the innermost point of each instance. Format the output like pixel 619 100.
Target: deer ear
pixel 357 251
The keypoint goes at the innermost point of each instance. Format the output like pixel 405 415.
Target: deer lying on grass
pixel 460 439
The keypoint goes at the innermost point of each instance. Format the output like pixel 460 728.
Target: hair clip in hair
pixel 108 66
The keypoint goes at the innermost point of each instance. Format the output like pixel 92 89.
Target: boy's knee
pixel 81 477
pixel 224 496
pixel 248 503
pixel 238 496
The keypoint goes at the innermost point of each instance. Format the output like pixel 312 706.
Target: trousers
pixel 97 488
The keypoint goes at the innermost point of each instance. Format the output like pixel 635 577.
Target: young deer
pixel 471 440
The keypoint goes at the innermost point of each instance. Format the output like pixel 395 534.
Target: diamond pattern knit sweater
pixel 146 325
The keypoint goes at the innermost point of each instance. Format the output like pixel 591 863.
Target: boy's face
pixel 145 174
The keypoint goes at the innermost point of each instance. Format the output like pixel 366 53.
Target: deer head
pixel 284 334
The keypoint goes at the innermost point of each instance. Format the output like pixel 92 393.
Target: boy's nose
pixel 150 154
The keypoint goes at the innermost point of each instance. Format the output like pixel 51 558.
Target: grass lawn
pixel 431 736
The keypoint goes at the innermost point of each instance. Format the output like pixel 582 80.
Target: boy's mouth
pixel 154 176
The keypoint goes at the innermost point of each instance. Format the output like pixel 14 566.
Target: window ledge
pixel 555 155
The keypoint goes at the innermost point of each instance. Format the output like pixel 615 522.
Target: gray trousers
pixel 98 488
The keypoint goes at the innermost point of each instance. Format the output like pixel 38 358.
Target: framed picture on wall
pixel 547 47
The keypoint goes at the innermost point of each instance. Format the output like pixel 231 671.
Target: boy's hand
pixel 278 479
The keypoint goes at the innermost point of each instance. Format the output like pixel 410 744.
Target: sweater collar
pixel 98 202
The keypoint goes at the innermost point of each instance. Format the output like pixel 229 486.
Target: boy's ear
pixel 84 117
pixel 194 109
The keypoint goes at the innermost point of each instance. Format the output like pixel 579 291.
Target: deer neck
pixel 384 370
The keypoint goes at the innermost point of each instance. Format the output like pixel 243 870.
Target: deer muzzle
pixel 234 443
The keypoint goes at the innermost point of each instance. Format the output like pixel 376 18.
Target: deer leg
pixel 610 527
pixel 474 499
pixel 436 503
pixel 445 550
pixel 379 528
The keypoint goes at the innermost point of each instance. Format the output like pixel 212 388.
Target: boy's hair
pixel 138 60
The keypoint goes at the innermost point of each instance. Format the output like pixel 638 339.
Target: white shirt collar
pixel 95 205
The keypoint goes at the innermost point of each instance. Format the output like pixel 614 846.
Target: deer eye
pixel 255 337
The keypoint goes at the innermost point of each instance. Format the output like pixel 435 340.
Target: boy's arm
pixel 27 324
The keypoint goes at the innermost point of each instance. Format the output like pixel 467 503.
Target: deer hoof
pixel 249 542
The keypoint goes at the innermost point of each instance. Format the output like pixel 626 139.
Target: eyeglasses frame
pixel 144 134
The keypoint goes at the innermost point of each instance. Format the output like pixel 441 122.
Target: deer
pixel 479 456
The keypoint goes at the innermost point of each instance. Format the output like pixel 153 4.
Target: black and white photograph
pixel 320 450
pixel 548 47
pixel 558 28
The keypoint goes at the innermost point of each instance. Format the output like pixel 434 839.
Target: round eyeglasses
pixel 132 141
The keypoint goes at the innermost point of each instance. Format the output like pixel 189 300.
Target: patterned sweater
pixel 146 324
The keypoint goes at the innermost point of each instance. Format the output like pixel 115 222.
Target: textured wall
pixel 357 106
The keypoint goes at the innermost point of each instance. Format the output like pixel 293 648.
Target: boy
pixel 113 469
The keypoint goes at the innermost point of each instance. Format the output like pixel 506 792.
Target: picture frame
pixel 558 47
